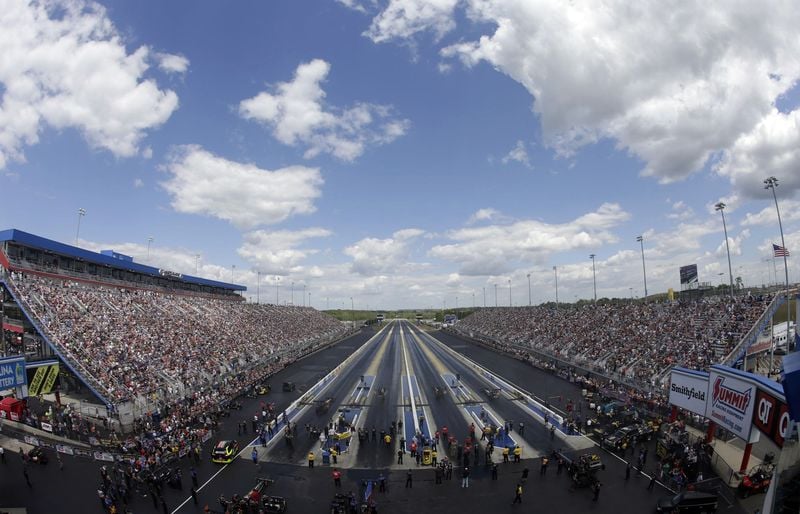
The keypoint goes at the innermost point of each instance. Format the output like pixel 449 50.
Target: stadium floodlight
pixel 594 277
pixel 196 263
pixel 772 183
pixel 495 295
pixel 304 297
pixel 720 206
pixel 81 214
pixel 640 239
pixel 258 286
pixel 277 290
pixel 484 297
pixel 555 271
pixel 509 293
pixel 529 289
pixel 149 242
pixel 292 294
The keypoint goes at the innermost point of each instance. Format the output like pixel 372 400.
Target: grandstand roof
pixel 41 243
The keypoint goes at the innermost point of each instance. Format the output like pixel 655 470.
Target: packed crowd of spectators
pixel 637 341
pixel 134 342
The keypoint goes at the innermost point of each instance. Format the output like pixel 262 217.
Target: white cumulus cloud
pixel 517 154
pixel 297 114
pixel 790 211
pixel 771 148
pixel 172 63
pixel 404 18
pixel 496 249
pixel 674 83
pixel 372 256
pixel 64 65
pixel 278 252
pixel 244 194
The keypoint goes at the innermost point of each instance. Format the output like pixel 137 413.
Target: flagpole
pixel 772 183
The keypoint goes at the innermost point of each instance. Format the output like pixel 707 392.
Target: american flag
pixel 779 251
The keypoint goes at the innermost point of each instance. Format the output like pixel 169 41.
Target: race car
pixel 263 389
pixel 225 451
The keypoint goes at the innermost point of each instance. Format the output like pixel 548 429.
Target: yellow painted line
pixel 372 369
pixel 433 359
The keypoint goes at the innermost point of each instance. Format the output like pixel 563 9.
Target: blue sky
pixel 405 152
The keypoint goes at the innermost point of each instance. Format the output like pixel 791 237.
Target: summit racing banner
pixel 730 402
pixel 688 389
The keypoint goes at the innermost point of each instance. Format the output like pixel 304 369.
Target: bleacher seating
pixel 635 340
pixel 130 342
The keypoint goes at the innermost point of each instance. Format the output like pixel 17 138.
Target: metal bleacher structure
pixel 28 253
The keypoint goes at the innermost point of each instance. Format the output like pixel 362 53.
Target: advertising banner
pixel 688 390
pixel 772 417
pixel 12 372
pixel 689 275
pixel 730 402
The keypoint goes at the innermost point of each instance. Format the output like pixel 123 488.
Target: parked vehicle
pixel 757 481
pixel 688 502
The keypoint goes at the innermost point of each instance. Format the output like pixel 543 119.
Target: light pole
pixel 258 287
pixel 277 294
pixel 529 289
pixel 304 296
pixel 495 295
pixel 196 263
pixel 309 297
pixel 473 299
pixel 772 183
pixel 352 312
pixel 720 206
pixel 644 270
pixel 233 268
pixel 631 290
pixel 292 294
pixel 484 297
pixel 555 271
pixel 81 214
pixel 509 293
pixel 149 242
pixel 594 278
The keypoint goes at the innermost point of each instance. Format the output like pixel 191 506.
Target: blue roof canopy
pixel 41 243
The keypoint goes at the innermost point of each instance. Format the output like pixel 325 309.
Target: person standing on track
pixel 517 494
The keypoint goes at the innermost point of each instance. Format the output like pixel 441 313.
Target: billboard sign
pixel 772 417
pixel 730 402
pixel 688 390
pixel 689 276
pixel 12 372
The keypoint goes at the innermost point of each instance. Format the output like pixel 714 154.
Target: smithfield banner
pixel 688 389
pixel 730 401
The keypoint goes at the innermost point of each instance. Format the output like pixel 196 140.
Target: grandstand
pixel 636 343
pixel 139 337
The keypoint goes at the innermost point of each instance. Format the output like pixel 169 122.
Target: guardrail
pixel 750 337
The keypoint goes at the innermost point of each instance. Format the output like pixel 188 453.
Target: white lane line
pixel 408 378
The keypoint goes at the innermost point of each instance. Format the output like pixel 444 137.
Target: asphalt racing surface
pixel 373 378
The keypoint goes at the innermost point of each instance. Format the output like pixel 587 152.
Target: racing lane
pixel 339 390
pixel 508 409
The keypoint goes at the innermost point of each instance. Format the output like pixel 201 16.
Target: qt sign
pixel 771 416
